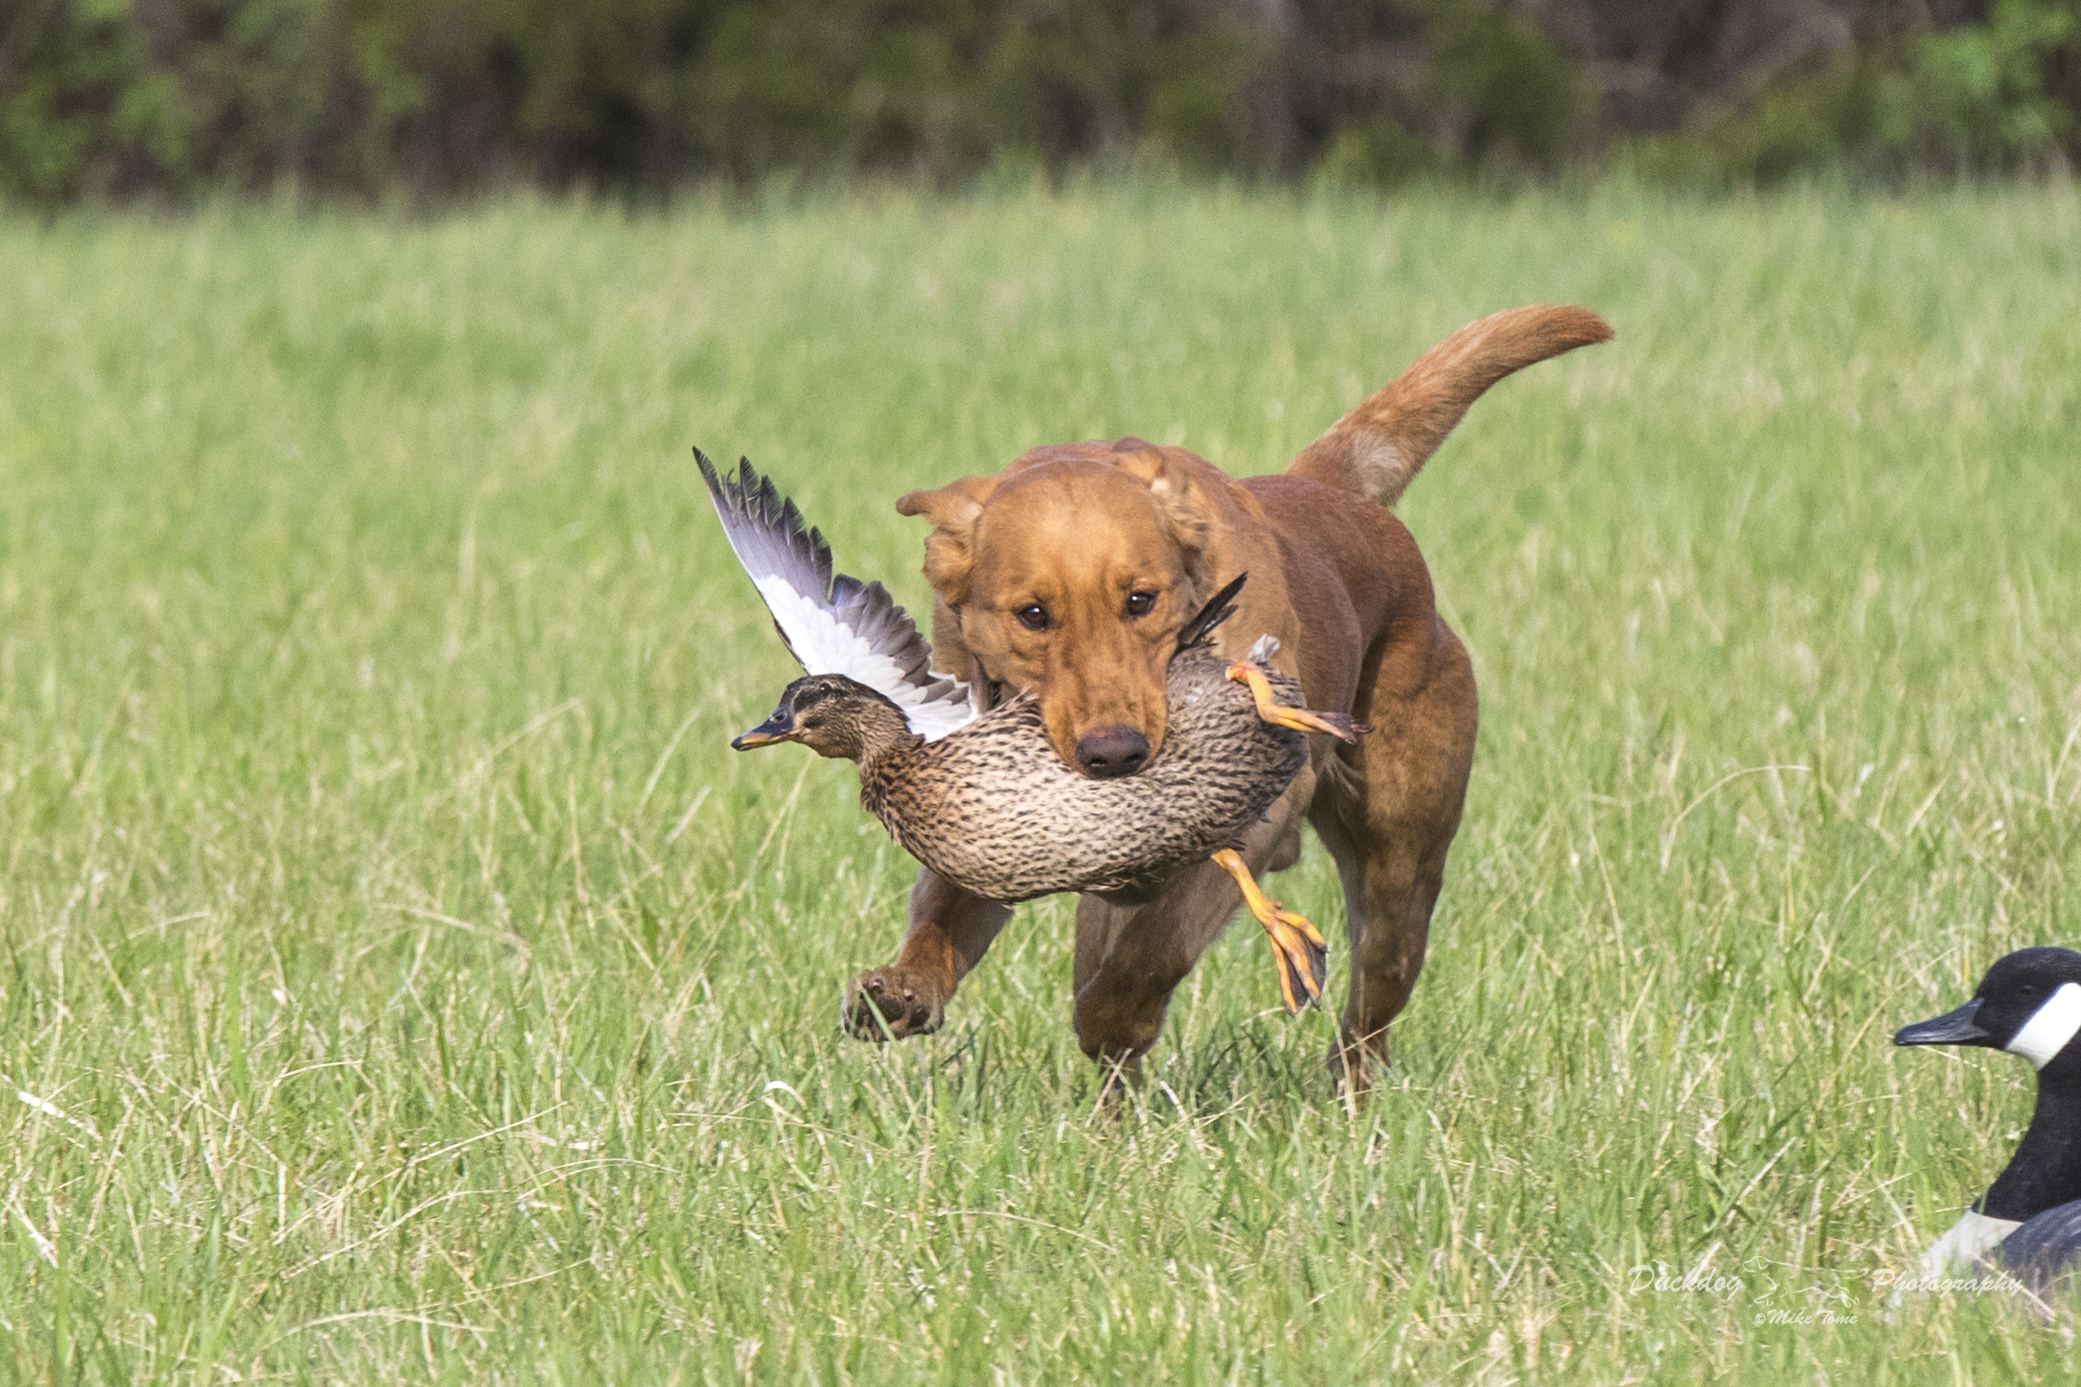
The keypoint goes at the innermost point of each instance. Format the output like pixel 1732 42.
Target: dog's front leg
pixel 950 931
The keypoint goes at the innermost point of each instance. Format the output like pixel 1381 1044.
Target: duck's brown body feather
pixel 992 809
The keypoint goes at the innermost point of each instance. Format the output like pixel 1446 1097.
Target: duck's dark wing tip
pixel 715 483
pixel 766 531
pixel 1219 608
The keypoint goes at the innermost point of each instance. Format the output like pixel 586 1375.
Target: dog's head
pixel 1070 575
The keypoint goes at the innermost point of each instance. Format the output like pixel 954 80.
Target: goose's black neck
pixel 2046 1169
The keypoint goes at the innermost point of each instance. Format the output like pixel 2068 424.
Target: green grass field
pixel 403 980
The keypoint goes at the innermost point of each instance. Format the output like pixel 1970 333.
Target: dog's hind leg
pixel 1387 811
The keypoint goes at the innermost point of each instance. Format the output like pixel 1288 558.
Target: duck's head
pixel 2028 1004
pixel 832 716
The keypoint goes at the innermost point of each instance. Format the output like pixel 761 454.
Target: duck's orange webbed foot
pixel 1302 953
pixel 1300 719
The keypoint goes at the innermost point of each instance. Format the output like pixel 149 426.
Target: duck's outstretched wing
pixel 832 624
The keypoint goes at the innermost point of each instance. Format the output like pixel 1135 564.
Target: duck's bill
pixel 1952 1028
pixel 772 730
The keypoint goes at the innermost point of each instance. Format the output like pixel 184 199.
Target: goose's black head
pixel 2028 1004
pixel 832 716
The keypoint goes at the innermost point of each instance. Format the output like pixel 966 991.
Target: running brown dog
pixel 1070 574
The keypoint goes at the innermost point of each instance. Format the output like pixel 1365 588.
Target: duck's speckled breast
pixel 994 810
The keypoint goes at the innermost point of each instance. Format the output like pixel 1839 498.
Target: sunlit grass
pixel 402 977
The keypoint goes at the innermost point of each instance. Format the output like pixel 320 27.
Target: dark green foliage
pixel 66 71
pixel 436 98
pixel 2007 92
pixel 99 96
pixel 1376 153
pixel 1998 97
pixel 1521 92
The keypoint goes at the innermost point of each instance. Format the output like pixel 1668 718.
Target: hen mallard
pixel 979 796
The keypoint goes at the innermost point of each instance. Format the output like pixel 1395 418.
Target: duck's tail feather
pixel 1220 607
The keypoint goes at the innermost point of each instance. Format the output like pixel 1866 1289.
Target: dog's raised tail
pixel 1379 447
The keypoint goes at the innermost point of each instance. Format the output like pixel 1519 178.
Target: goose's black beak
pixel 1952 1028
pixel 778 728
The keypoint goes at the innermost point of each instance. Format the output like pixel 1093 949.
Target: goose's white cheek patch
pixel 2047 1032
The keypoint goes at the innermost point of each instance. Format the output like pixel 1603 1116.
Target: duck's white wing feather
pixel 832 624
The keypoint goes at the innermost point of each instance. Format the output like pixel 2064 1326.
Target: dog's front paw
pixel 891 1004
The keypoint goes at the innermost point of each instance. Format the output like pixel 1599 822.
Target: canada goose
pixel 979 796
pixel 2029 1221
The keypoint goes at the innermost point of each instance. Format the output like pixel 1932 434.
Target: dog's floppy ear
pixel 1176 493
pixel 950 548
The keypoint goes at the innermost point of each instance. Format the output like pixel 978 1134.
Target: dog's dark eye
pixel 1139 603
pixel 1033 616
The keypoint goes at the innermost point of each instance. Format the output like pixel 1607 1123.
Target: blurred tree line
pixel 167 98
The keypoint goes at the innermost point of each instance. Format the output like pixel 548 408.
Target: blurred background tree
pixel 440 98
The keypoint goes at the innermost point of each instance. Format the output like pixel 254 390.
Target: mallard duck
pixel 2029 1222
pixel 978 795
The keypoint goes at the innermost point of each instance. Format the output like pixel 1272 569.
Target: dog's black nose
pixel 1112 751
